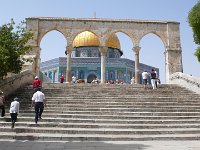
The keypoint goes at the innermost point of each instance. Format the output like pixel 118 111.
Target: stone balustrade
pixel 185 80
pixel 11 84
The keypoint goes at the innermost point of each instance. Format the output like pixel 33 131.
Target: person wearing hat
pixel 36 84
pixel 2 107
pixel 14 111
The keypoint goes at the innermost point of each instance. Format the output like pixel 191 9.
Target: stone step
pixel 113 116
pixel 124 99
pixel 139 107
pixel 57 113
pixel 140 95
pixel 99 125
pixel 88 137
pixel 105 131
pixel 115 103
pixel 151 110
pixel 107 112
pixel 150 107
pixel 137 120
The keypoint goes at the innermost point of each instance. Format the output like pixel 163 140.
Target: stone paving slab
pixel 116 145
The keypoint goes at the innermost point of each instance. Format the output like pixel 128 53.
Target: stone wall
pixel 184 80
pixel 11 84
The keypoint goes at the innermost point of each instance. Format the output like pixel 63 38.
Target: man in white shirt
pixel 14 111
pixel 145 76
pixel 38 100
pixel 73 79
pixel 133 80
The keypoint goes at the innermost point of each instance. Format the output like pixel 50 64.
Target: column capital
pixel 103 50
pixel 136 49
pixel 68 49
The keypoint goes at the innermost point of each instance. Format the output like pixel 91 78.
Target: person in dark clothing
pixel 2 107
pixel 14 111
pixel 153 79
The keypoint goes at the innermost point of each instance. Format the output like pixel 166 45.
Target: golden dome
pixel 87 38
pixel 113 42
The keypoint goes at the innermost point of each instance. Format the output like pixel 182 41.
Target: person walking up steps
pixel 62 79
pixel 145 76
pixel 2 107
pixel 37 84
pixel 38 101
pixel 14 111
pixel 153 79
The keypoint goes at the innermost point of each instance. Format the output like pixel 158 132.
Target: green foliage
pixel 197 53
pixel 194 21
pixel 13 44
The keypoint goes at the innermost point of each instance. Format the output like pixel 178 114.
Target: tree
pixel 194 21
pixel 13 45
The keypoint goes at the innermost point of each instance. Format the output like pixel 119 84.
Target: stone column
pixel 116 75
pixel 173 62
pixel 136 50
pixel 68 70
pixel 103 50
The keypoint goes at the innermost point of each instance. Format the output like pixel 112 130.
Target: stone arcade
pixel 167 31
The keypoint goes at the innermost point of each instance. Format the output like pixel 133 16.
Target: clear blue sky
pixel 152 48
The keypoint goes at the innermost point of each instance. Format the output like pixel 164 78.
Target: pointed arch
pixel 44 33
pixel 57 48
pixel 152 53
pixel 159 35
pixel 126 45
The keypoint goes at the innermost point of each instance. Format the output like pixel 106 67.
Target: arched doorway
pixel 91 77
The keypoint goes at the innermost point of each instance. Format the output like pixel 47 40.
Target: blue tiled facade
pixel 86 64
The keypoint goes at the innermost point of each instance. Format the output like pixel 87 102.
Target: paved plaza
pixel 115 145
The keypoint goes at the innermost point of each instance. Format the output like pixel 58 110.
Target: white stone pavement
pixel 114 145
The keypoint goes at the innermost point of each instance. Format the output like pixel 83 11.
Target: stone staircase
pixel 87 112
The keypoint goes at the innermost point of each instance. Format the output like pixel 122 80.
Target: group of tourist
pixel 153 76
pixel 14 108
pixel 39 102
pixel 114 82
pixel 38 99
